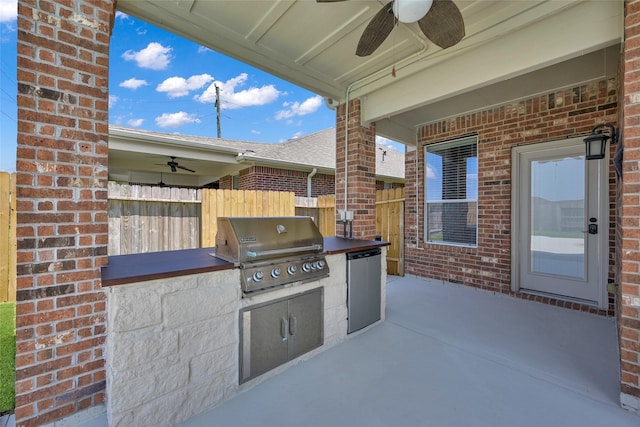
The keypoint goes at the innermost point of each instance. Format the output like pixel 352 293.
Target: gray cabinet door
pixel 276 332
pixel 306 326
pixel 266 339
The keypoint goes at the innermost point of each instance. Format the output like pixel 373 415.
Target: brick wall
pixel 628 226
pixel 360 152
pixel 63 60
pixel 274 179
pixel 226 183
pixel 543 118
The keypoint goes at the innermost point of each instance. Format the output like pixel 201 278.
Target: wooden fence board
pixel 390 226
pixel 8 243
pixel 150 219
pixel 224 203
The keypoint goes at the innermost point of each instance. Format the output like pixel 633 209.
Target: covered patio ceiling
pixel 512 49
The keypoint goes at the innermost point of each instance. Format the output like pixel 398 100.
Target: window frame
pixel 439 146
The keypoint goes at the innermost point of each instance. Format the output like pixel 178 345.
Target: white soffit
pixel 583 28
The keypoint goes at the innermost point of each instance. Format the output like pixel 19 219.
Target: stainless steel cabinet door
pixel 265 339
pixel 276 332
pixel 306 326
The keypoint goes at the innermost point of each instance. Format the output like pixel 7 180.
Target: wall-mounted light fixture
pixel 596 143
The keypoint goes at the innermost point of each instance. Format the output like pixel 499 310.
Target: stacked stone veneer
pixel 173 344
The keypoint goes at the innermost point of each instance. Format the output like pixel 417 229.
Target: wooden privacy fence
pixel 323 211
pixel 149 219
pixel 221 203
pixel 152 219
pixel 7 237
pixel 390 226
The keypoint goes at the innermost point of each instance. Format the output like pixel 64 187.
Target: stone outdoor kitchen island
pixel 174 334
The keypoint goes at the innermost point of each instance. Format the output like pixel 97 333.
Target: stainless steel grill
pixel 272 251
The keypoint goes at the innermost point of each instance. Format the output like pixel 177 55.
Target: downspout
pixel 311 175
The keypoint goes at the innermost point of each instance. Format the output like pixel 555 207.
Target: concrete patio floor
pixel 447 355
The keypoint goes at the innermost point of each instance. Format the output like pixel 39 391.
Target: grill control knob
pixel 258 276
pixel 275 273
pixel 306 267
pixel 320 265
pixel 292 269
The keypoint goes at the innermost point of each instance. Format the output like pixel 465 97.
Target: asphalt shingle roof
pixel 313 150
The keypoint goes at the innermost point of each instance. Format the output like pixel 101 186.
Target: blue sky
pixel 161 82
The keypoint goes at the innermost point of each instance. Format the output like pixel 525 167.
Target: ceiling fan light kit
pixel 408 11
pixel 439 20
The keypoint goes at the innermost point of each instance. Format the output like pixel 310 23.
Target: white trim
pixel 630 403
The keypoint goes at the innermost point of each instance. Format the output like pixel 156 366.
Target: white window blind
pixel 451 192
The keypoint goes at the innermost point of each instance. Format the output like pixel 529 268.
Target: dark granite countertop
pixel 338 245
pixel 124 269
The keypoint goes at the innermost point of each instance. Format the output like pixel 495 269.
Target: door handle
pixel 293 323
pixel 283 328
pixel 593 228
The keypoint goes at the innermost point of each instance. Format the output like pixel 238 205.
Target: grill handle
pixel 260 254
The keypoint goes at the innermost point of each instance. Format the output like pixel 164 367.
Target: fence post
pixel 7 237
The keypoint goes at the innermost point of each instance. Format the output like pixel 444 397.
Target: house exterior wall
pixel 547 117
pixel 275 179
pixel 627 223
pixel 63 71
pixel 226 183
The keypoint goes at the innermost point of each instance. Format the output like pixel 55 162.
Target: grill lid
pixel 255 239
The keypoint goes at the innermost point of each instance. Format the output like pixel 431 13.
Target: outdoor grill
pixel 272 251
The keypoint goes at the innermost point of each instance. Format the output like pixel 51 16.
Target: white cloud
pixel 230 99
pixel 135 123
pixel 121 15
pixel 256 132
pixel 8 10
pixel 293 109
pixel 112 100
pixel 431 173
pixel 154 56
pixel 203 49
pixel 133 83
pixel 178 86
pixel 174 120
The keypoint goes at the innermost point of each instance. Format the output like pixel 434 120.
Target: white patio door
pixel 560 218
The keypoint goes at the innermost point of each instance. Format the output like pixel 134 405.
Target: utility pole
pixel 218 110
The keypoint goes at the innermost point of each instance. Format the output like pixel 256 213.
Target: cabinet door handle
pixel 283 328
pixel 292 325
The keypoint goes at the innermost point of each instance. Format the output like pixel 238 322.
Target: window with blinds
pixel 451 192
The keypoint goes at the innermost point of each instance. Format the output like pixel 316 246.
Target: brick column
pixel 63 70
pixel 628 226
pixel 360 152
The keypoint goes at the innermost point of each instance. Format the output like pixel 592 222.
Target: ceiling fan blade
pixel 443 24
pixel 186 169
pixel 377 31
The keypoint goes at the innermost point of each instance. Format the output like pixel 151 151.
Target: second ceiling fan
pixel 439 20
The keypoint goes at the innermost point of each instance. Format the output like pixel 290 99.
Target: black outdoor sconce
pixel 596 143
